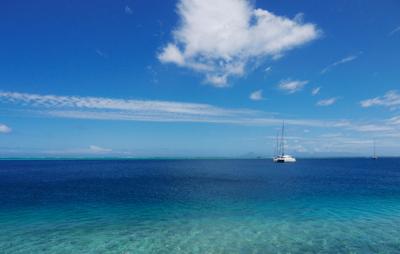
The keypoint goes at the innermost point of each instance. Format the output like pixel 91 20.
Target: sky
pixel 199 78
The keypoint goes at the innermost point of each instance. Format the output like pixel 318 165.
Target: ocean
pixel 200 206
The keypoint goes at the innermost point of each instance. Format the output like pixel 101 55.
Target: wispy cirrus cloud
pixel 394 120
pixel 341 61
pixel 381 128
pixel 257 95
pixel 391 99
pixel 268 69
pixel 112 109
pixel 315 91
pixel 396 30
pixel 137 107
pixel 372 128
pixel 4 128
pixel 98 149
pixel 292 86
pixel 221 38
pixel 100 108
pixel 327 102
pixel 101 53
pixel 128 10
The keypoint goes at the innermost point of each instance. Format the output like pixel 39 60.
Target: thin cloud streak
pixel 327 102
pixel 98 149
pixel 101 103
pixel 128 10
pixel 99 108
pixel 101 53
pixel 341 61
pixel 292 86
pixel 237 120
pixel 110 109
pixel 315 91
pixel 396 30
pixel 391 99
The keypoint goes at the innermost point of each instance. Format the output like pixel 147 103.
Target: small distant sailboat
pixel 280 156
pixel 374 156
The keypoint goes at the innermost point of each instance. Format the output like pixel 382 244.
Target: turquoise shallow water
pixel 200 206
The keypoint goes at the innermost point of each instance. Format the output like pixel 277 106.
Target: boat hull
pixel 284 159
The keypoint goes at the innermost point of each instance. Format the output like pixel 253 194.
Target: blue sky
pixel 198 78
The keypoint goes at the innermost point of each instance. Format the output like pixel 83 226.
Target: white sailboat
pixel 280 156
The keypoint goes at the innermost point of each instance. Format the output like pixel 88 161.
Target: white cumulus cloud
pixel 257 95
pixel 292 86
pixel 4 128
pixel 220 38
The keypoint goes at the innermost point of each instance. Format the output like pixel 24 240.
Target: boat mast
pixel 277 144
pixel 282 138
pixel 374 149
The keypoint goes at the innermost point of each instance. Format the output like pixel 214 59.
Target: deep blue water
pixel 200 206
